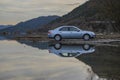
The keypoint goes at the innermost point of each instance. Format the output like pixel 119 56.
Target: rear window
pixel 73 29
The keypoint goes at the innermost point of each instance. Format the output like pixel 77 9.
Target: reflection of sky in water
pixel 21 62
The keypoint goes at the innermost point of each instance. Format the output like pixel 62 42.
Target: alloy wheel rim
pixel 57 37
pixel 86 46
pixel 57 45
pixel 86 37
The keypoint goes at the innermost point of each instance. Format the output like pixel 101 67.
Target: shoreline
pixel 100 38
pixel 45 37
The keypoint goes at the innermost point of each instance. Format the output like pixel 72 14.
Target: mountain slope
pixel 4 26
pixel 30 24
pixel 86 16
pixel 77 17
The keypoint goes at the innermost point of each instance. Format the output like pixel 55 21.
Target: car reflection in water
pixel 70 50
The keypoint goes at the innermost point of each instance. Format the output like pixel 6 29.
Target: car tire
pixel 58 38
pixel 57 46
pixel 86 37
pixel 86 47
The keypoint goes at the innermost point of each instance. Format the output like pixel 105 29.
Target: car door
pixel 75 33
pixel 64 32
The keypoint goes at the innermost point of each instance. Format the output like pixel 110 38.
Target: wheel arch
pixel 86 34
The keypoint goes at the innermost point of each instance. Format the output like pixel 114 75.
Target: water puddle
pixel 28 60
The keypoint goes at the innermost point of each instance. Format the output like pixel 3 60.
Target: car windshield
pixel 68 54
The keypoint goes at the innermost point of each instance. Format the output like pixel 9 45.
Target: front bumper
pixel 93 36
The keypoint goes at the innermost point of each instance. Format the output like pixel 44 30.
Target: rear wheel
pixel 86 37
pixel 57 46
pixel 58 38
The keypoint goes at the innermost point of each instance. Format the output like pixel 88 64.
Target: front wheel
pixel 86 47
pixel 86 37
pixel 58 38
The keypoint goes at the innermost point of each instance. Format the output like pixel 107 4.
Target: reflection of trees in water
pixel 105 62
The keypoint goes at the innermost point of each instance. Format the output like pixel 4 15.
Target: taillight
pixel 49 32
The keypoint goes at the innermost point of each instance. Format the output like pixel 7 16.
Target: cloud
pixel 35 8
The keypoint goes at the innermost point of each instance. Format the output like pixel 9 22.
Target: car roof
pixel 64 26
pixel 67 26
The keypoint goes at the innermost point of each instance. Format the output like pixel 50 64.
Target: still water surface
pixel 26 60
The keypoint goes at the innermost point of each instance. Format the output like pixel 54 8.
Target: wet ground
pixel 28 60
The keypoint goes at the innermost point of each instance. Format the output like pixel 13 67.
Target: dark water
pixel 105 61
pixel 28 60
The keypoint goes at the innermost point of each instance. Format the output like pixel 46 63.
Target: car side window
pixel 64 29
pixel 73 29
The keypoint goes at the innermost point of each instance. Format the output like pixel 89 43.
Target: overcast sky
pixel 14 11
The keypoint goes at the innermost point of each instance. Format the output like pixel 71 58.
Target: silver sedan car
pixel 70 32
